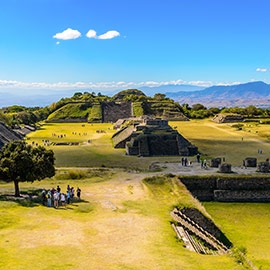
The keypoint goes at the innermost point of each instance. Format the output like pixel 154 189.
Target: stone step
pixel 211 241
pixel 200 228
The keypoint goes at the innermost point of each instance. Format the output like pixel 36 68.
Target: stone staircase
pixel 7 135
pixel 186 227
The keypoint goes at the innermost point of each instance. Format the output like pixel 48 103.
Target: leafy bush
pixel 238 126
pixel 155 180
pixel 82 174
pixel 138 109
pixel 72 174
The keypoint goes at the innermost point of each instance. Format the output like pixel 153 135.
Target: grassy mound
pixel 71 112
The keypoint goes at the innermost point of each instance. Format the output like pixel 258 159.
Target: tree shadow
pixel 33 198
pixel 25 200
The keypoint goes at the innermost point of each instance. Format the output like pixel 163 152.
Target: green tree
pixel 26 118
pixel 159 96
pixel 21 162
pixel 251 111
pixel 198 107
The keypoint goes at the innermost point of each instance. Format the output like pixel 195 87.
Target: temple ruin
pixel 228 118
pixel 152 137
pixel 7 135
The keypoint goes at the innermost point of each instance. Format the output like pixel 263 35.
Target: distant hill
pixel 252 93
pixel 172 89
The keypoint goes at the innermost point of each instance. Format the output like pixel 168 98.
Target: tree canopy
pixel 21 162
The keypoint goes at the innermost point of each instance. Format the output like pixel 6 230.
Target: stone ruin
pixel 264 166
pixel 228 118
pixel 152 137
pixel 199 233
pixel 225 168
pixel 112 111
pixel 229 188
pixel 7 134
pixel 215 162
pixel 250 162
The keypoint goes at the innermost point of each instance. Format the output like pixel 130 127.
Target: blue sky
pixel 44 43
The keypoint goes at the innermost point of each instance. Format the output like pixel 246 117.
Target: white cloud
pixel 262 69
pixel 109 35
pixel 58 42
pixel 68 34
pixel 91 34
pixel 95 86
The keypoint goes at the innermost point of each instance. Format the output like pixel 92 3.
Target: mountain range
pixel 241 95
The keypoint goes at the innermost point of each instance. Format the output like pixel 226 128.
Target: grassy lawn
pixel 247 226
pixel 123 222
pixel 222 140
pixel 98 153
pixel 212 140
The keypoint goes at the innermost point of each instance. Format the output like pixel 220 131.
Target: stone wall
pixel 7 135
pixel 226 118
pixel 112 111
pixel 228 189
pixel 207 224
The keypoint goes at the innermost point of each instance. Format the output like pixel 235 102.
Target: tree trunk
pixel 17 190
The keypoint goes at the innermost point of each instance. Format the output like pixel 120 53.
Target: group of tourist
pixel 186 162
pixel 54 197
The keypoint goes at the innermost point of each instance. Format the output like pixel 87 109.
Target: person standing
pixel 68 196
pixel 43 196
pixel 56 199
pixel 72 192
pixel 198 158
pixel 49 198
pixel 78 193
pixel 63 199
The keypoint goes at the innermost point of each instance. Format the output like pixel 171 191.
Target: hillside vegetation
pixel 95 108
pixel 85 107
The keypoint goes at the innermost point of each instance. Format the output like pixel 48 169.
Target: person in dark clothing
pixel 79 193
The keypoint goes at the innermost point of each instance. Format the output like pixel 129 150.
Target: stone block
pixel 263 167
pixel 250 162
pixel 225 168
pixel 215 162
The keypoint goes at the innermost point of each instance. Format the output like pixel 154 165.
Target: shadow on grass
pixel 33 198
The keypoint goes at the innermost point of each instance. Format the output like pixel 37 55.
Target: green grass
pixel 77 110
pixel 247 226
pixel 212 140
pixel 92 235
pixel 123 222
pixel 222 140
pixel 98 153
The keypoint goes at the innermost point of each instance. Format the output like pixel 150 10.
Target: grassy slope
pixel 76 110
pixel 121 224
